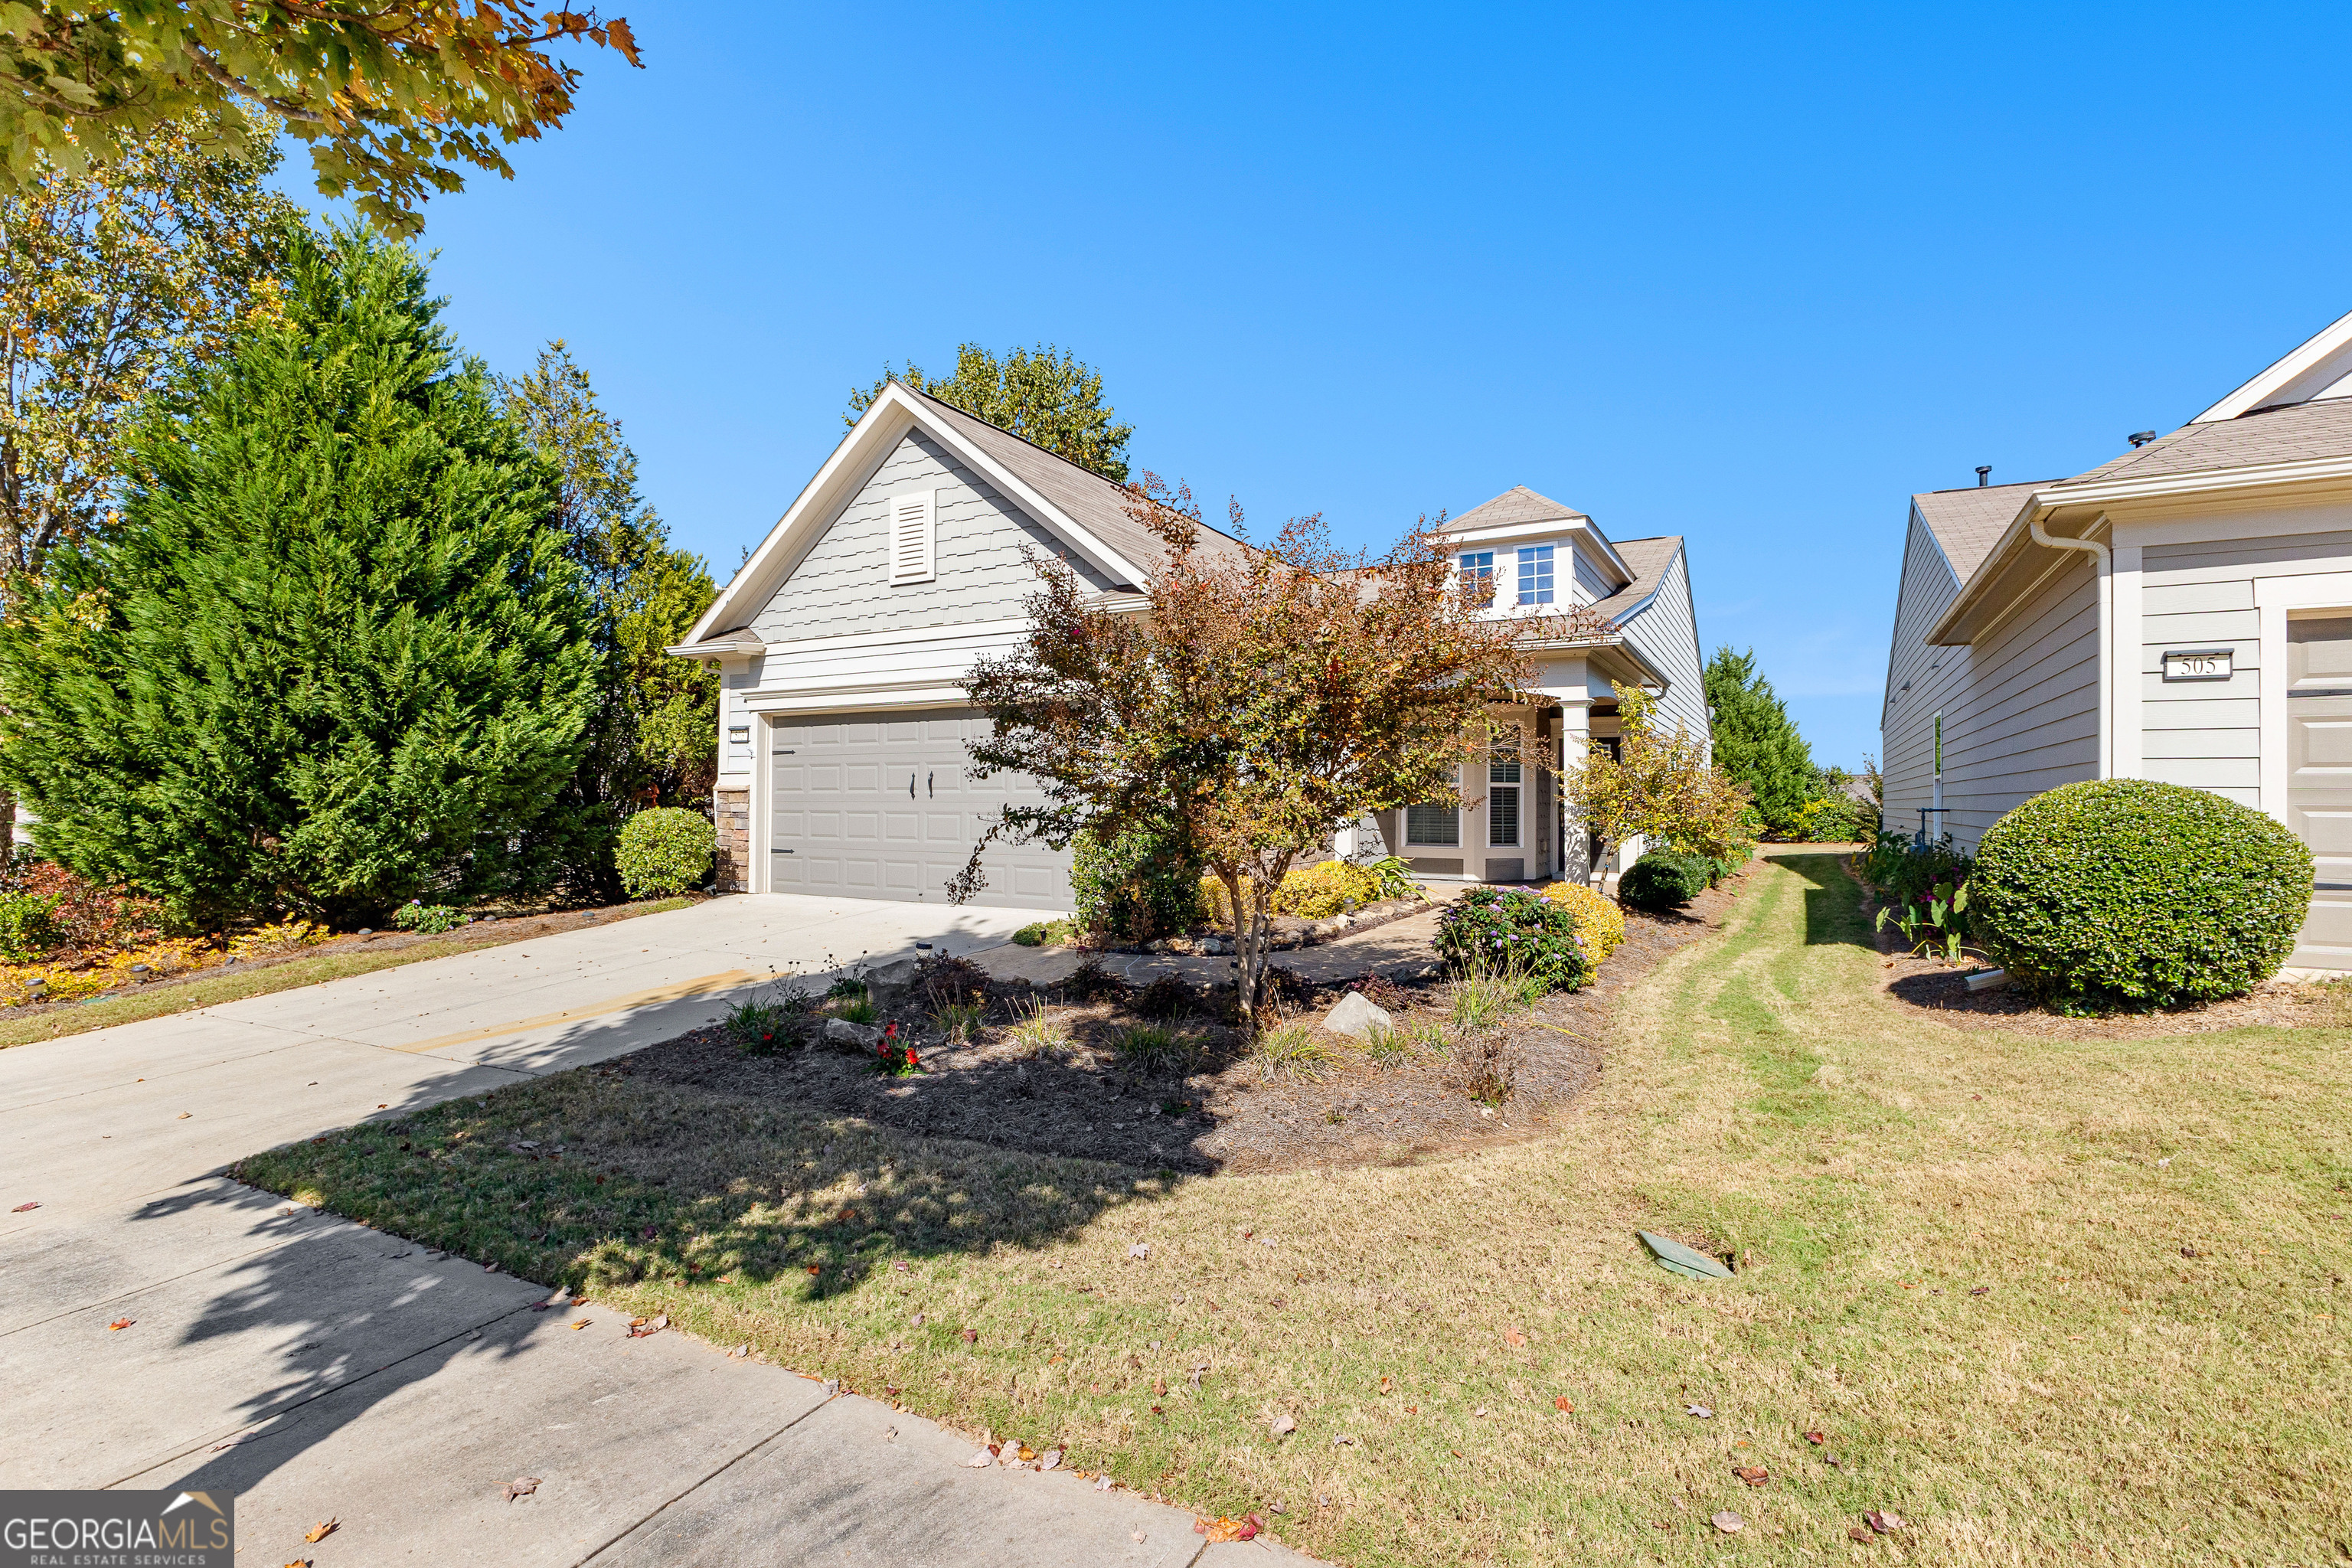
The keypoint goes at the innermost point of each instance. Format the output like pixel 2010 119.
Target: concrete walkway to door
pixel 318 1369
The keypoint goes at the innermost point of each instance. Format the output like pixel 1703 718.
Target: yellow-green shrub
pixel 1598 919
pixel 1314 892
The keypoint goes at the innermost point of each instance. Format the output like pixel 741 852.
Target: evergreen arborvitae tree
pixel 332 656
pixel 1754 740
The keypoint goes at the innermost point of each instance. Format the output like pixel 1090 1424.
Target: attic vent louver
pixel 912 533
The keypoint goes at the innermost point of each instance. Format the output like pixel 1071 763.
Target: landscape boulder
pixel 841 1031
pixel 1355 1016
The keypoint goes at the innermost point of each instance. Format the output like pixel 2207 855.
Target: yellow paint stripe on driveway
pixel 679 991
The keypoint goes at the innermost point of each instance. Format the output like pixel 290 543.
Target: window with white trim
pixel 1535 574
pixel 1478 576
pixel 1432 827
pixel 914 529
pixel 1503 783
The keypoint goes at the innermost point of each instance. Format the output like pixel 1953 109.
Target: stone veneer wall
pixel 732 812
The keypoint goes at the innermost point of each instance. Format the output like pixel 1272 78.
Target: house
pixel 844 642
pixel 2181 613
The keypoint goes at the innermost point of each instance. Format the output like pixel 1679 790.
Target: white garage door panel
pixel 880 807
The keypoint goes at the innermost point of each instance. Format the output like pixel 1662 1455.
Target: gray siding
pixel 843 584
pixel 1666 632
pixel 1589 583
pixel 2021 708
pixel 2208 735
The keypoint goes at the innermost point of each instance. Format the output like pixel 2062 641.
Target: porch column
pixel 1572 852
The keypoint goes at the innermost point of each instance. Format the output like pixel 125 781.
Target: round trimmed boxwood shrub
pixel 2129 893
pixel 664 851
pixel 1663 881
pixel 1512 930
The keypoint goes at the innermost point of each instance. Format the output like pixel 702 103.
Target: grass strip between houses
pixel 188 995
pixel 2045 1299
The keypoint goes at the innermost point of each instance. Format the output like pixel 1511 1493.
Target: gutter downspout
pixel 2109 671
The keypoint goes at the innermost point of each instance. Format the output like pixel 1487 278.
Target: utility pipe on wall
pixel 2110 668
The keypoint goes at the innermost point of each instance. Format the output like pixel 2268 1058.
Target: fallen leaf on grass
pixel 1049 1459
pixel 1513 1338
pixel 521 1486
pixel 1857 1532
pixel 1220 1530
pixel 1141 1250
pixel 1560 1402
pixel 1884 1524
pixel 1282 1427
pixel 972 1337
pixel 640 1327
pixel 1159 1385
pixel 120 1324
pixel 320 1531
pixel 1728 1522
pixel 1981 1290
pixel 1701 1411
pixel 1817 1439
pixel 1754 1475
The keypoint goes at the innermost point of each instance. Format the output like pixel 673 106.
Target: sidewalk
pixel 318 1369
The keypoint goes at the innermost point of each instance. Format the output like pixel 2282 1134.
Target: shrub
pixel 2125 892
pixel 1167 997
pixel 1044 933
pixel 762 1025
pixel 664 851
pixel 1090 982
pixel 947 981
pixel 1487 1067
pixel 88 917
pixel 1836 819
pixel 430 918
pixel 1510 928
pixel 1327 888
pixel 1599 922
pixel 1290 1050
pixel 1662 882
pixel 281 936
pixel 1905 870
pixel 1153 1048
pixel 1032 1035
pixel 28 926
pixel 1134 887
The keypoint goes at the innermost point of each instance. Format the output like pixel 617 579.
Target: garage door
pixel 878 805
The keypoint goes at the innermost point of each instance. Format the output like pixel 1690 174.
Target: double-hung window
pixel 1478 576
pixel 1503 785
pixel 1432 827
pixel 1535 574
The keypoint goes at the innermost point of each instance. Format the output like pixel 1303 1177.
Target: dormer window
pixel 1477 577
pixel 1535 574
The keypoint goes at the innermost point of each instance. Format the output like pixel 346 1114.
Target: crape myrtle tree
pixel 1261 701
pixel 1658 785
pixel 392 100
pixel 332 656
pixel 1756 743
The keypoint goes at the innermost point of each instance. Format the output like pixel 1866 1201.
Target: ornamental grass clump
pixel 2126 893
pixel 1495 929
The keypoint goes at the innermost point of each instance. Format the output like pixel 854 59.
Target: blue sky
pixel 1746 275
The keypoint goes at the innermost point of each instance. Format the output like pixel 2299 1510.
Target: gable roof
pixel 1648 558
pixel 1081 508
pixel 1967 523
pixel 2287 433
pixel 1517 504
pixel 2319 366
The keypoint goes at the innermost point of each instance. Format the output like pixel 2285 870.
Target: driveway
pixel 318 1369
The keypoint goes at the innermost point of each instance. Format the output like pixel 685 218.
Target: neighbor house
pixel 844 640
pixel 2183 613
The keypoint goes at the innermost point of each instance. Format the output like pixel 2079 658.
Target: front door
pixel 2319 779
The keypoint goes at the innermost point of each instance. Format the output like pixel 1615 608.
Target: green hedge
pixel 2128 893
pixel 1135 886
pixel 664 851
pixel 1663 880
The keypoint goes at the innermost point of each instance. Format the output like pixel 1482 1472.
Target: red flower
pixel 910 1055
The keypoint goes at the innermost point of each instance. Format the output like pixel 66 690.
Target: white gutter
pixel 2110 668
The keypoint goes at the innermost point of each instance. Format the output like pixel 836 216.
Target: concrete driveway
pixel 318 1369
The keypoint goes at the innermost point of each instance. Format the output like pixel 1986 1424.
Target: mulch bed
pixel 1222 1117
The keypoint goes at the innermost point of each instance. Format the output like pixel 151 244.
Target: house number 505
pixel 2197 664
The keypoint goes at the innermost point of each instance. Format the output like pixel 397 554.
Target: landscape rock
pixel 1357 1016
pixel 842 1031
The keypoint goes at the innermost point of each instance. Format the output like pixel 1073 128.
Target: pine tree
pixel 1050 397
pixel 333 656
pixel 1755 743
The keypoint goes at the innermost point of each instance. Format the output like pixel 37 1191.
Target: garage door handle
pixel 929 780
pixel 910 786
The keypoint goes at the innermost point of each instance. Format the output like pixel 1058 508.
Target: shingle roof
pixel 1091 501
pixel 1517 504
pixel 2284 434
pixel 1648 558
pixel 1968 523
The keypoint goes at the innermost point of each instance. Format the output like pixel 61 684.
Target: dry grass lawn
pixel 2046 1299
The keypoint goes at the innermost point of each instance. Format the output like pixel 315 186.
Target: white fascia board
pixel 2265 387
pixel 2106 493
pixel 1536 532
pixel 736 647
pixel 886 420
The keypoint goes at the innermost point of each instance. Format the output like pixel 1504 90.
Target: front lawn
pixel 2042 1297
